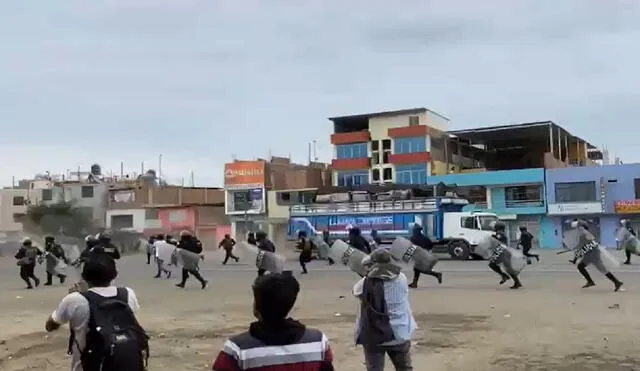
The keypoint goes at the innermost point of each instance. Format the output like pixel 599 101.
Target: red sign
pixel 244 172
pixel 628 207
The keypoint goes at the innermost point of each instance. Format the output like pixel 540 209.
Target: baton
pixel 563 252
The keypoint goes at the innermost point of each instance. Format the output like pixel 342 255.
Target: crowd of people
pixel 105 334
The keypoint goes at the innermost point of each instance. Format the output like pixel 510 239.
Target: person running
pixel 526 241
pixel 227 244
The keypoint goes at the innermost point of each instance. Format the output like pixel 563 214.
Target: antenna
pixel 315 150
pixel 193 179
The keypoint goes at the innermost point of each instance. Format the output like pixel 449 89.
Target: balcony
pixel 351 137
pixel 365 207
pixel 408 131
pixel 410 158
pixel 510 204
pixel 351 163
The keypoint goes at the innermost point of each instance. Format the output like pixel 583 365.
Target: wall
pixel 97 203
pixel 8 209
pixel 275 211
pixel 138 218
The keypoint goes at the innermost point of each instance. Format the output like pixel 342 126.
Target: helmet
pixel 27 241
pixel 499 227
pixel 49 239
pixel 185 233
pixel 104 236
pixel 261 235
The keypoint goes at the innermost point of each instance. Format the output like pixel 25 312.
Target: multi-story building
pixel 402 146
pixel 602 195
pixel 13 206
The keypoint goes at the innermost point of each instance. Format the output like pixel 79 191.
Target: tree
pixel 60 218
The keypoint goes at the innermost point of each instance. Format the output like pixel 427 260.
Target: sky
pixel 203 82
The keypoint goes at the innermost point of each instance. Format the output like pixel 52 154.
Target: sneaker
pixel 204 284
pixel 589 284
pixel 504 279
pixel 618 285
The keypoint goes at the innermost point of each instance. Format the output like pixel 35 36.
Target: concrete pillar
pixel 551 143
pixel 234 231
pixel 559 145
pixel 566 149
pixel 489 202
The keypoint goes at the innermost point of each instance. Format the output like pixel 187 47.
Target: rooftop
pixel 531 130
pixel 407 111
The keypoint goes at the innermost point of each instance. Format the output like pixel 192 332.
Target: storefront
pixel 564 213
pixel 629 210
pixel 245 196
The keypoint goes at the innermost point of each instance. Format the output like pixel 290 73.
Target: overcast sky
pixel 202 81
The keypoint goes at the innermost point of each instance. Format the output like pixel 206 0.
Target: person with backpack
pixel 102 318
pixel 275 341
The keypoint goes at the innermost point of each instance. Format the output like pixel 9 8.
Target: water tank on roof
pixel 96 169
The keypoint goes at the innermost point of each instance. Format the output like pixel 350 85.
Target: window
pixel 636 183
pixel 575 192
pixel 306 197
pixel 348 179
pixel 469 222
pixel 385 157
pixel 375 175
pixel 414 120
pixel 283 198
pixel 523 196
pixel 121 221
pixel 151 214
pixel 347 151
pixel 18 200
pixel 375 145
pixel 411 174
pixel 375 158
pixel 410 145
pixel 47 194
pixel 481 222
pixel 87 191
pixel 473 194
pixel 386 144
pixel 387 173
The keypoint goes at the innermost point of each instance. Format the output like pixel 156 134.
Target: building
pixel 402 146
pixel 602 195
pixel 150 209
pixel 252 187
pixel 516 196
pixel 13 205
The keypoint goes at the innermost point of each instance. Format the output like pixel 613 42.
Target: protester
pixel 385 323
pixel 26 256
pixel 150 248
pixel 526 241
pixel 163 252
pixel 228 243
pixel 276 342
pixel 98 310
pixel 304 244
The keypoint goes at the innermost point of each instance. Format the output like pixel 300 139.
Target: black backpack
pixel 115 340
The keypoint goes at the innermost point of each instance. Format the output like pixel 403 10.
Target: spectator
pixel 385 323
pixel 298 348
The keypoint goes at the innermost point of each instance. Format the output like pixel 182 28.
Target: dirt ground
pixel 468 323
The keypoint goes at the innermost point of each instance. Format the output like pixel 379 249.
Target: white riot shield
pixel 187 259
pixel 513 261
pixel 266 260
pixel 72 252
pixel 571 238
pixel 628 241
pixel 323 247
pixel 403 250
pixel 484 247
pixel 54 265
pixel 342 252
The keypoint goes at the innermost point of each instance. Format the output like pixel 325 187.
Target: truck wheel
pixel 459 250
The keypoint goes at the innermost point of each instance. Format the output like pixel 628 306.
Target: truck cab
pixel 462 231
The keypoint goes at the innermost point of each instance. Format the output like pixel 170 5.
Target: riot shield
pixel 266 260
pixel 513 261
pixel 571 238
pixel 484 247
pixel 628 241
pixel 54 265
pixel 72 252
pixel 340 251
pixel 403 250
pixel 187 259
pixel 323 247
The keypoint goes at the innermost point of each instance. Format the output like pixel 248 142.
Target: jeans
pixel 399 354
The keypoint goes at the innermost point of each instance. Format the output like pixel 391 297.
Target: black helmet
pixel 104 236
pixel 49 239
pixel 27 241
pixel 499 227
pixel 523 228
pixel 261 235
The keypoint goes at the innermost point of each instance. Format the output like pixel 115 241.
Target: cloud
pixel 202 81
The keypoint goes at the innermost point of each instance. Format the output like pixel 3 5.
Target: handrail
pixel 524 203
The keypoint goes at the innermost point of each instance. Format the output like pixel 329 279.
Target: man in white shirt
pixel 98 271
pixel 163 250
